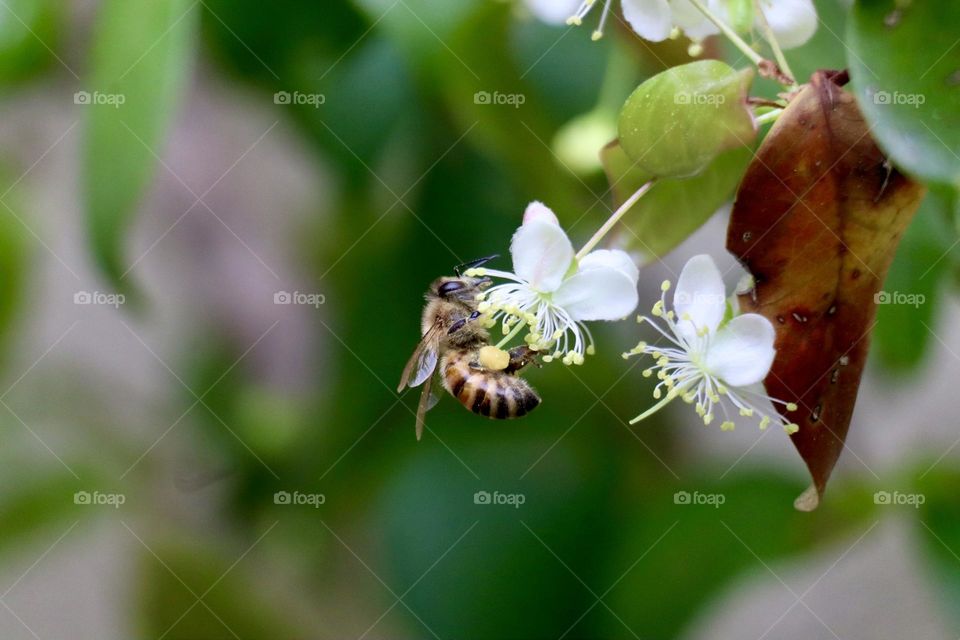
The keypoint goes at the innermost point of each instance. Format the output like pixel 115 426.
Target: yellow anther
pixel 764 422
pixel 596 35
pixel 639 319
pixel 656 393
pixel 657 309
pixel 727 426
pixel 591 350
pixel 647 373
pixel 707 419
pixel 791 406
pixel 665 286
pixel 746 412
pixel 791 428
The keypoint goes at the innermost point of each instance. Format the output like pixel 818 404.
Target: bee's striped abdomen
pixel 495 394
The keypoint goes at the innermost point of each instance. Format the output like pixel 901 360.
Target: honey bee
pixel 452 338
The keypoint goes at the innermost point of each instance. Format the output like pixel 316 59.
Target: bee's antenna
pixel 474 263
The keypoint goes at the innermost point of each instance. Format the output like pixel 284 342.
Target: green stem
pixel 513 334
pixel 774 44
pixel 613 219
pixel 739 42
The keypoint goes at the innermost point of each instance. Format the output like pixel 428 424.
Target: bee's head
pixel 462 288
pixel 459 288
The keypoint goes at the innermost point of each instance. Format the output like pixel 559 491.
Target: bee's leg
pixel 520 357
pixel 459 324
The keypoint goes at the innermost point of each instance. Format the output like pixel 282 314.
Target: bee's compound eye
pixel 449 287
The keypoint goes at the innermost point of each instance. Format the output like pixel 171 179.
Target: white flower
pixel 709 359
pixel 793 22
pixel 553 293
pixel 653 20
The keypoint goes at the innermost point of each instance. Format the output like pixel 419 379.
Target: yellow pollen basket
pixel 493 358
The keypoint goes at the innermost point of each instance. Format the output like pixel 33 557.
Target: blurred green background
pixel 203 462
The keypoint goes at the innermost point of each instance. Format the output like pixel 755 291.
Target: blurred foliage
pixel 939 529
pixel 125 132
pixel 22 50
pixel 191 592
pixel 425 175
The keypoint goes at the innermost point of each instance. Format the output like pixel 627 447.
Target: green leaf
pixel 908 304
pixel 674 208
pixel 140 63
pixel 674 124
pixel 905 69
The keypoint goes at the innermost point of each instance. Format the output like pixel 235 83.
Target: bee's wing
pixel 427 400
pixel 423 362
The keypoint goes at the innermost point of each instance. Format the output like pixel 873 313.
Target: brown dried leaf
pixel 817 220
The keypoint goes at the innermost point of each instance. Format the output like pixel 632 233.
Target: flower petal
pixel 742 351
pixel 696 25
pixel 612 259
pixel 542 254
pixel 552 11
pixel 793 21
pixel 700 299
pixel 536 210
pixel 598 293
pixel 649 18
